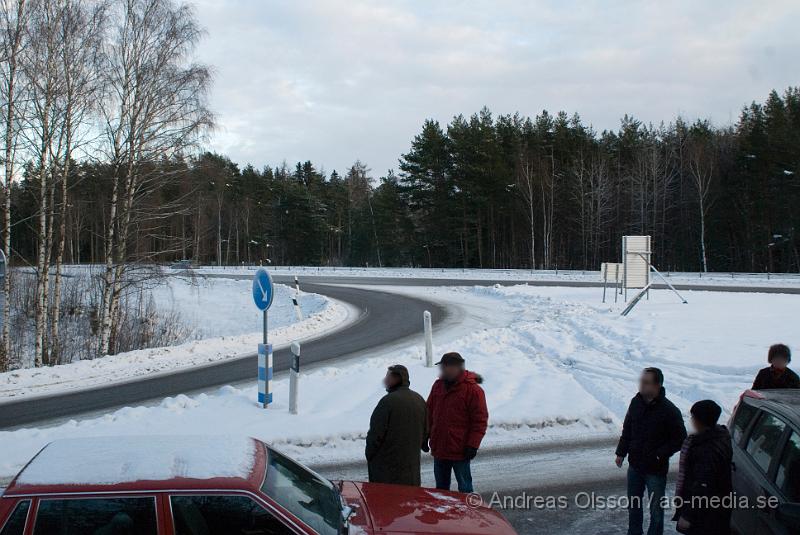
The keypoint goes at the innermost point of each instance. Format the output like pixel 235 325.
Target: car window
pixel 15 525
pixel 306 495
pixel 223 515
pixel 788 477
pixel 764 441
pixel 744 414
pixel 97 516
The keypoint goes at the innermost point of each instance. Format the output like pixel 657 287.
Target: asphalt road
pixel 385 318
pixel 587 511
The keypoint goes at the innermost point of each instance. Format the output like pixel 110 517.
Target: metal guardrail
pixel 498 271
pixel 555 273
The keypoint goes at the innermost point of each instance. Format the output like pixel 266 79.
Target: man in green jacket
pixel 397 432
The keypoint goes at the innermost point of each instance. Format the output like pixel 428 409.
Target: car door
pixel 757 467
pixel 742 422
pixel 96 515
pixel 787 478
pixel 224 514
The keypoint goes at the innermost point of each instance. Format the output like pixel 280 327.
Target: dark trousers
pixel 442 469
pixel 656 486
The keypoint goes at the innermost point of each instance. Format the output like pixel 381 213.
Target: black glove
pixel 470 453
pixel 425 447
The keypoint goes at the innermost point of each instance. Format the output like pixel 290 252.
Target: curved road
pixel 385 318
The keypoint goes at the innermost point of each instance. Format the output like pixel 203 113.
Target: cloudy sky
pixel 333 81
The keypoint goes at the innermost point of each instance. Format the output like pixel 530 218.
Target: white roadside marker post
pixel 294 378
pixel 428 339
pixel 298 312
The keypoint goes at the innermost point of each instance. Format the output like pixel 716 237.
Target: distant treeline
pixel 502 192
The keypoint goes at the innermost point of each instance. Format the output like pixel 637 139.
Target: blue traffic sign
pixel 263 290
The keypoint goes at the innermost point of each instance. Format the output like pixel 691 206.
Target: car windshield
pixel 308 496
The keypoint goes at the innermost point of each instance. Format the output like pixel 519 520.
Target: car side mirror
pixel 347 512
pixel 789 515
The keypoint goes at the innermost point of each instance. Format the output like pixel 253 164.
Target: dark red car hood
pixel 402 509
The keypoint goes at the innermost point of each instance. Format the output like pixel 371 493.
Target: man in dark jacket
pixel 652 432
pixel 457 417
pixel 704 478
pixel 397 431
pixel 777 374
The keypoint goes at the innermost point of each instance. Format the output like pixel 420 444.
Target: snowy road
pixel 534 465
pixel 521 480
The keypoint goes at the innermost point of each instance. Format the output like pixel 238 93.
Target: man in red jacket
pixel 457 416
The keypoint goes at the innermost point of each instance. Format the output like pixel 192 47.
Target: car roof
pixel 142 464
pixel 785 401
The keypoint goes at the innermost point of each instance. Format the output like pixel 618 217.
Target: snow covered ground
pixel 222 320
pixel 557 365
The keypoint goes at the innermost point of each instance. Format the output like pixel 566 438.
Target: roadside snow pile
pixel 225 323
pixel 557 365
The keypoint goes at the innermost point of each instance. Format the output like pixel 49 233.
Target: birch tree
pixel 155 108
pixel 580 194
pixel 547 185
pixel 526 185
pixel 702 170
pixel 14 14
pixel 601 203
pixel 81 32
pixel 41 67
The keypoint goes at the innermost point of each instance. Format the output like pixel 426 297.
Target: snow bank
pixel 225 323
pixel 557 364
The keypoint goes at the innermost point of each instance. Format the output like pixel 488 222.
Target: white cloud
pixel 335 81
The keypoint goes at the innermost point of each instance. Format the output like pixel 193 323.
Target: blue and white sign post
pixel 263 292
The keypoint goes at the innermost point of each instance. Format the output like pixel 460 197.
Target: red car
pixel 214 486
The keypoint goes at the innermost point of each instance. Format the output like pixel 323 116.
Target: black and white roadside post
pixel 2 287
pixel 263 292
pixel 298 312
pixel 294 377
